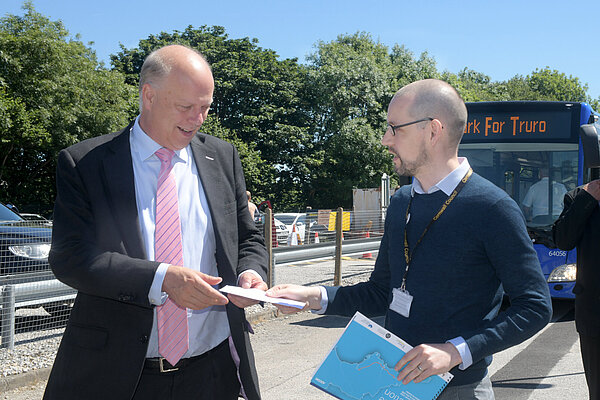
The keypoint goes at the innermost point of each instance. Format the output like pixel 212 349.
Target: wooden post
pixel 337 279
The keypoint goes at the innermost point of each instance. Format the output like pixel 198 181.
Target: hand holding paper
pixel 304 294
pixel 248 280
pixel 259 295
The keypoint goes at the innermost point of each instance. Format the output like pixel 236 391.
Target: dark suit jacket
pixel 97 248
pixel 579 226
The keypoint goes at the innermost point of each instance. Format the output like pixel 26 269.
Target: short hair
pixel 158 65
pixel 437 99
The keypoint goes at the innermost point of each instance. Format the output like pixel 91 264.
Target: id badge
pixel 401 302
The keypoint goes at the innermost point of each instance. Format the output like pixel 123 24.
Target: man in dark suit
pixel 103 245
pixel 579 226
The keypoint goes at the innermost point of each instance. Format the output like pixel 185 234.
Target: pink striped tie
pixel 171 319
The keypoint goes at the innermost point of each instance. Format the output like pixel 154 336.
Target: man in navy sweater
pixel 452 242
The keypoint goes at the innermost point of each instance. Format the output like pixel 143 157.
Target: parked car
pixel 291 219
pixel 281 231
pixel 24 245
pixel 299 220
pixel 24 249
pixel 36 218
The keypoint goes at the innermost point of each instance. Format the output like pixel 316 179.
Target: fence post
pixel 337 278
pixel 271 277
pixel 7 319
pixel 269 244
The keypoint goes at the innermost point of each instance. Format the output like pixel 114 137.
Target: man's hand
pixel 310 295
pixel 426 360
pixel 192 289
pixel 593 188
pixel 248 280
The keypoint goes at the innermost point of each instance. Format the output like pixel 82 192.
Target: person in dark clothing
pixel 579 227
pixel 452 228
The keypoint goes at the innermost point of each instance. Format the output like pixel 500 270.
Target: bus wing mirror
pixel 591 147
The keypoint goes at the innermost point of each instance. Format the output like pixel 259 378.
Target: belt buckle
pixel 162 367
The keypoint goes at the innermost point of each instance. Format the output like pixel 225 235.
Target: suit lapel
pixel 208 166
pixel 120 184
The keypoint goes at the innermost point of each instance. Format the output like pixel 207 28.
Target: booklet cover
pixel 361 366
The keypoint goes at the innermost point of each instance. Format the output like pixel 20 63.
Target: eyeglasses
pixel 394 127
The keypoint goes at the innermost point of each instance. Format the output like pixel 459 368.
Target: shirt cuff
pixel 464 351
pixel 324 302
pixel 251 271
pixel 156 296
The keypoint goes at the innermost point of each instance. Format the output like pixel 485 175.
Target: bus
pixel 534 151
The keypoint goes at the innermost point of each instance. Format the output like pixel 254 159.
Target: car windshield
pixel 525 173
pixel 7 215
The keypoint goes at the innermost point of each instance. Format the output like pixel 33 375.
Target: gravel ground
pixel 35 350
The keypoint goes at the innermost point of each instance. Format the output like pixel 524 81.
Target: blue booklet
pixel 361 366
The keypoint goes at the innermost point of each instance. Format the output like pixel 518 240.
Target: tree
pixel 349 85
pixel 406 68
pixel 53 93
pixel 256 102
pixel 554 85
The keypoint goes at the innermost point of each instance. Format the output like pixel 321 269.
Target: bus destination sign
pixel 517 125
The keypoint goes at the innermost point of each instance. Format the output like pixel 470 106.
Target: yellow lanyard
pixel 407 253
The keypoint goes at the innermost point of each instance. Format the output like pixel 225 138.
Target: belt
pixel 161 364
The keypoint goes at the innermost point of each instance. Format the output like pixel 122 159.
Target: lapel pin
pixel 210 158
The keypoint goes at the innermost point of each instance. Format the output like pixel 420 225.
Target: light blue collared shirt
pixel 446 185
pixel 208 327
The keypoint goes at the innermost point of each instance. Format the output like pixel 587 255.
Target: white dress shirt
pixel 208 327
pixel 536 197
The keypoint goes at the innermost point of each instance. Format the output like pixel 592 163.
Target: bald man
pixel 108 243
pixel 452 241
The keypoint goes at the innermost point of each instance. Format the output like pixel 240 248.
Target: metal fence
pixel 31 298
pixel 33 301
pixel 318 226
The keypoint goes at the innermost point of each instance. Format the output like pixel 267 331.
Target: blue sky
pixel 498 38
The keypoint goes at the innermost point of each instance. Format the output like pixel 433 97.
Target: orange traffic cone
pixel 367 255
pixel 316 237
pixel 293 239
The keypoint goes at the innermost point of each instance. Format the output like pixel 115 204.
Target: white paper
pixel 259 295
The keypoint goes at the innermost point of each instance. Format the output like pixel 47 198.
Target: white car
pixel 291 219
pixel 281 231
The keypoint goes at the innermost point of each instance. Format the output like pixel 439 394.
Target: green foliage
pixel 349 86
pixel 306 134
pixel 553 85
pixel 53 93
pixel 406 68
pixel 257 101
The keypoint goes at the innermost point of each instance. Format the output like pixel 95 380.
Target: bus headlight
pixel 563 273
pixel 35 251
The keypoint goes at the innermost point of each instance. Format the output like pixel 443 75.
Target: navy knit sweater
pixel 477 247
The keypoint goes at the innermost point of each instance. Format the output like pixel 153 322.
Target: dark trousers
pixel 210 376
pixel 590 353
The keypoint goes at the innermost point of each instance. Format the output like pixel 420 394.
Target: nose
pixel 385 139
pixel 197 117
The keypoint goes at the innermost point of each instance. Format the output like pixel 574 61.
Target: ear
pixel 436 131
pixel 148 95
